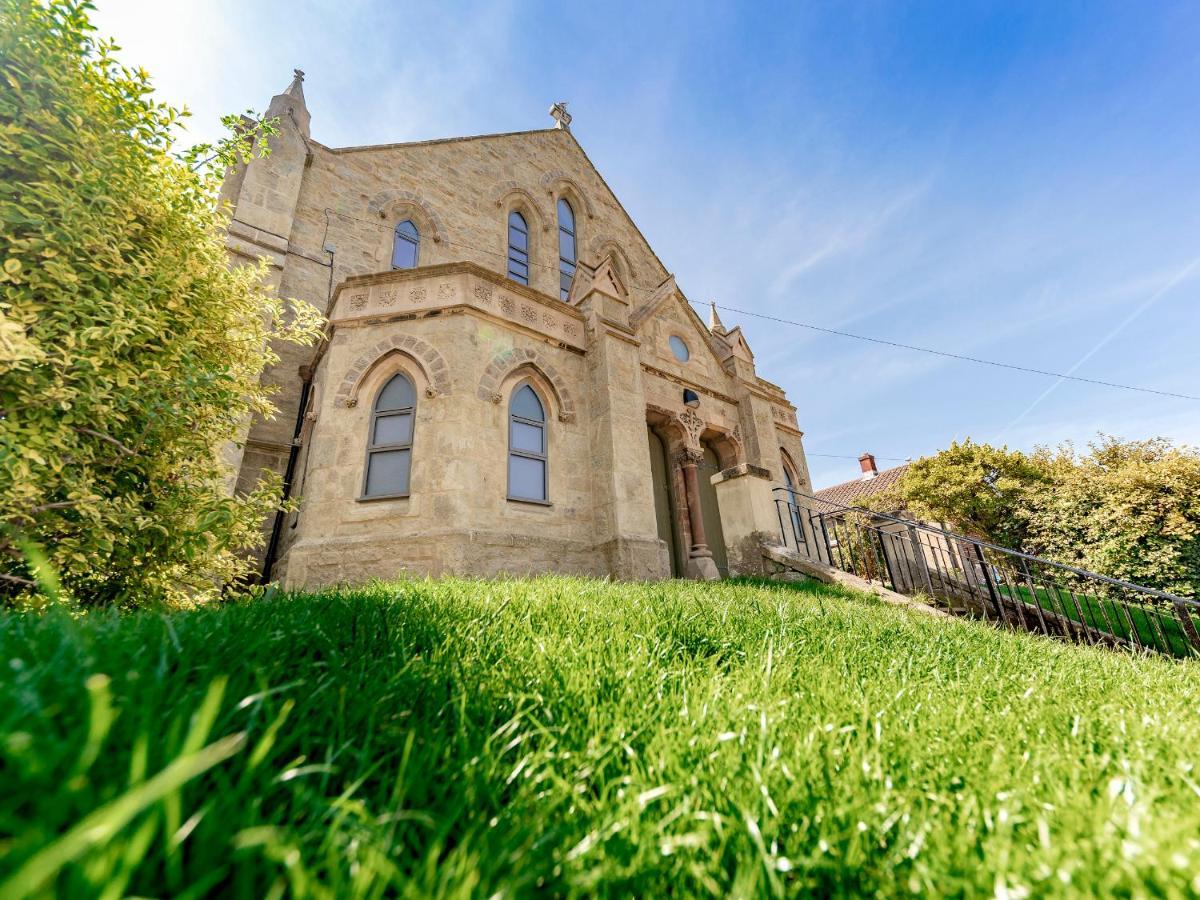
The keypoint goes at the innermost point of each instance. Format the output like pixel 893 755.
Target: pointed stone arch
pixel 507 192
pixel 555 182
pixel 604 247
pixel 429 362
pixel 386 203
pixel 507 362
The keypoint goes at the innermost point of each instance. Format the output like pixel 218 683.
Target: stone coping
pixel 454 268
pixel 741 471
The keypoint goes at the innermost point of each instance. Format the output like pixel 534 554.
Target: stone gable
pixel 467 338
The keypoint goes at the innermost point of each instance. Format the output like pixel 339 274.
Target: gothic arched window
pixel 792 481
pixel 789 473
pixel 405 245
pixel 566 248
pixel 527 456
pixel 518 248
pixel 389 446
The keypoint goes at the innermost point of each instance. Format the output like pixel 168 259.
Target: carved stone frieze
pixel 406 292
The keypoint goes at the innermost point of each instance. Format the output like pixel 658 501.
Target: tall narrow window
pixel 405 245
pixel 389 448
pixel 566 248
pixel 518 248
pixel 526 446
pixel 793 499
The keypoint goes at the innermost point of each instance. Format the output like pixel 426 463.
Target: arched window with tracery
pixel 566 248
pixel 518 248
pixel 405 245
pixel 389 445
pixel 528 456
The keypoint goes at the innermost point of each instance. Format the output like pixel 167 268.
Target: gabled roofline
pixel 620 205
pixel 363 148
pixel 359 148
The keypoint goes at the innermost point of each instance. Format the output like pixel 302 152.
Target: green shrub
pixel 1126 509
pixel 977 489
pixel 130 350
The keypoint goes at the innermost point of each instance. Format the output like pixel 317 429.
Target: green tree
pixel 979 490
pixel 1126 509
pixel 130 350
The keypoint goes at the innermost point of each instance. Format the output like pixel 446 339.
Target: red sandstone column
pixel 695 514
pixel 700 562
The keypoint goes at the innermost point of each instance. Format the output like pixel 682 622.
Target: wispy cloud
pixel 1179 276
pixel 846 233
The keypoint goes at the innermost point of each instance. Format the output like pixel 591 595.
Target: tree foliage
pixel 130 350
pixel 1126 509
pixel 1129 510
pixel 977 489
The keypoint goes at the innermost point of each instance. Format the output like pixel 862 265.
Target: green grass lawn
pixel 1157 626
pixel 576 737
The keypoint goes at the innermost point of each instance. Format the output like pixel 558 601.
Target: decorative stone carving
pixel 388 296
pixel 417 295
pixel 445 292
pixel 483 293
pixel 357 299
pixel 783 416
pixel 693 425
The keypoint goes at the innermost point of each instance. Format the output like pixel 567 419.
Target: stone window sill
pixel 373 497
pixel 529 501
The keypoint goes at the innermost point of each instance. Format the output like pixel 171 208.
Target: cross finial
pixel 559 113
pixel 296 88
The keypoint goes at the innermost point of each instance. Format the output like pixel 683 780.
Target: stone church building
pixel 510 380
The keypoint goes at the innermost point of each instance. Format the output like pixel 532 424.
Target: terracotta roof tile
pixel 848 493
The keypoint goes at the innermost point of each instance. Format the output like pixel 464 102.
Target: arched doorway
pixel 710 511
pixel 664 507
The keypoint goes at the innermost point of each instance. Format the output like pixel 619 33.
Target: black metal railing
pixel 984 580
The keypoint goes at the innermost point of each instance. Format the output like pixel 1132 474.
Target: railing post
pixel 1188 626
pixel 989 581
pixel 919 558
pixel 825 535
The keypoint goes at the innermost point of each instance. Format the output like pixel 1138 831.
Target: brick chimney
pixel 869 471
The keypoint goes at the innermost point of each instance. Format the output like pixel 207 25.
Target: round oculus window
pixel 679 348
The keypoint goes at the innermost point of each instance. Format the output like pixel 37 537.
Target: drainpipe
pixel 288 475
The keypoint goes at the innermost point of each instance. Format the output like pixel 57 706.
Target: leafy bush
pixel 1126 509
pixel 977 489
pixel 1129 510
pixel 130 350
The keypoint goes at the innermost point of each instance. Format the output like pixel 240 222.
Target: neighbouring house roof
pixel 849 493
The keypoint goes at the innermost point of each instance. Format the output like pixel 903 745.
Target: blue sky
pixel 1013 181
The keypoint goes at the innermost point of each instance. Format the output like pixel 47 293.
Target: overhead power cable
pixel 858 337
pixel 958 356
